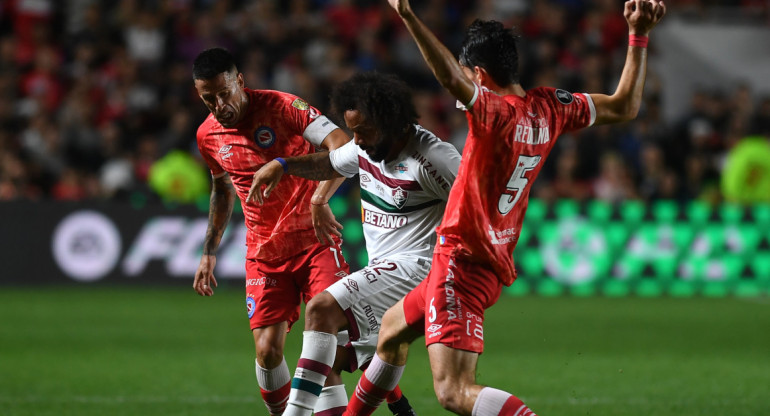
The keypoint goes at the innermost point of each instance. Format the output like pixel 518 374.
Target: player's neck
pixel 512 89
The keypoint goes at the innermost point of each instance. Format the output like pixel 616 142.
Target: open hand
pixel 268 175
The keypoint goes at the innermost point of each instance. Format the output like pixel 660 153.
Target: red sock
pixel 515 407
pixel 365 399
pixel 275 400
pixel 394 395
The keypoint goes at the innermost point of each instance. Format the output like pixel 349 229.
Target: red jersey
pixel 275 124
pixel 508 141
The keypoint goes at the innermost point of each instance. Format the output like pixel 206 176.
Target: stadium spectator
pixel 291 45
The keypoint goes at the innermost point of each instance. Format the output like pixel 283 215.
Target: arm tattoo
pixel 220 210
pixel 315 166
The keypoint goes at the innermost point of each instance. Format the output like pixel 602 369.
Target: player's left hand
pixel 643 15
pixel 268 175
pixel 326 226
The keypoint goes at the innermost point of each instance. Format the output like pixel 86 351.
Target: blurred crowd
pixel 94 93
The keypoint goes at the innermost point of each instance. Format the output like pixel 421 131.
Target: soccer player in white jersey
pixel 406 173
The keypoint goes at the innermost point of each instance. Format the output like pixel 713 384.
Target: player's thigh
pixel 457 296
pixel 272 296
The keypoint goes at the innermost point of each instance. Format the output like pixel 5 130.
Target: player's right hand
pixel 268 175
pixel 205 282
pixel 643 15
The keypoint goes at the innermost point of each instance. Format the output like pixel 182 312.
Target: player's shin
pixel 493 402
pixel 332 401
pixel 373 387
pixel 318 351
pixel 274 385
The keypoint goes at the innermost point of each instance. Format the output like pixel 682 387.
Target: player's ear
pixel 241 82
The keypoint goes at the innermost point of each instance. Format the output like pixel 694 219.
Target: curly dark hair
pixel 489 45
pixel 212 62
pixel 383 99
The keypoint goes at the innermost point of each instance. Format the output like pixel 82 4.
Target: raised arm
pixel 440 60
pixel 220 210
pixel 623 105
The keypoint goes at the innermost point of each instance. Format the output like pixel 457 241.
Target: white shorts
pixel 365 295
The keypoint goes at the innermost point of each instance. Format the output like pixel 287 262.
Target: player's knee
pixel 269 355
pixel 394 333
pixel 323 313
pixel 449 395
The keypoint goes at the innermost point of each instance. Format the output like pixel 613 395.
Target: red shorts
pixel 448 306
pixel 274 289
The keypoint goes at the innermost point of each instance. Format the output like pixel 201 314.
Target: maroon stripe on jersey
pixel 393 183
pixel 315 366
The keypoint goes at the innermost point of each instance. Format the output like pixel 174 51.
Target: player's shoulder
pixel 280 98
pixel 429 143
pixel 555 95
pixel 430 148
pixel 206 126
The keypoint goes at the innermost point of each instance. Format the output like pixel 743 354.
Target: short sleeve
pixel 345 159
pixel 215 168
pixel 318 129
pixel 573 111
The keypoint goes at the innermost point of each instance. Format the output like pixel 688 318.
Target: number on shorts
pixel 336 256
pixel 432 311
pixel 517 183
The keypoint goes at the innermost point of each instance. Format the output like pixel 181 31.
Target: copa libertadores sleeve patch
pixel 564 97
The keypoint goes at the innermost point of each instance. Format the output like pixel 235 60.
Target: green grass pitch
pixel 166 351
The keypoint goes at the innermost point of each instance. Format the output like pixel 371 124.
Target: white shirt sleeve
pixel 317 131
pixel 345 159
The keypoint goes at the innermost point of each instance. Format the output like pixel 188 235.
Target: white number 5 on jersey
pixel 517 183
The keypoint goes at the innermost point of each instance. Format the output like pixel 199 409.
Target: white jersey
pixel 402 201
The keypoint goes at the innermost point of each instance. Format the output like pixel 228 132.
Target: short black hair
pixel 212 62
pixel 489 45
pixel 383 99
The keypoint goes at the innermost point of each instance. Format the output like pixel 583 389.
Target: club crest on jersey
pixel 300 104
pixel 564 97
pixel 251 306
pixel 264 137
pixel 399 197
pixel 401 167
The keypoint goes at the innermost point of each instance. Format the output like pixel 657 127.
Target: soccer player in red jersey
pixel 288 260
pixel 511 132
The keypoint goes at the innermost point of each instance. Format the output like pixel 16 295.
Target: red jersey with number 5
pixel 276 124
pixel 508 141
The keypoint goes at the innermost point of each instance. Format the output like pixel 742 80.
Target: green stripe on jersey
pixel 387 207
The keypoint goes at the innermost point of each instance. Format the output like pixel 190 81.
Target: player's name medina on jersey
pixel 531 135
pixel 381 220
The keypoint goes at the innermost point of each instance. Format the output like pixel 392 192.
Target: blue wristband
pixel 283 163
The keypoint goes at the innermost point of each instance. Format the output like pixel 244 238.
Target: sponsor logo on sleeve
pixel 564 97
pixel 264 137
pixel 300 104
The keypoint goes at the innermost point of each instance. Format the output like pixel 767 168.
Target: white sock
pixel 384 375
pixel 333 400
pixel 273 385
pixel 315 362
pixel 491 402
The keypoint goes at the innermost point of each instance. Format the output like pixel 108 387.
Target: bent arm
pixel 440 60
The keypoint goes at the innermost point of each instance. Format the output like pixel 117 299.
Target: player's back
pixel 509 139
